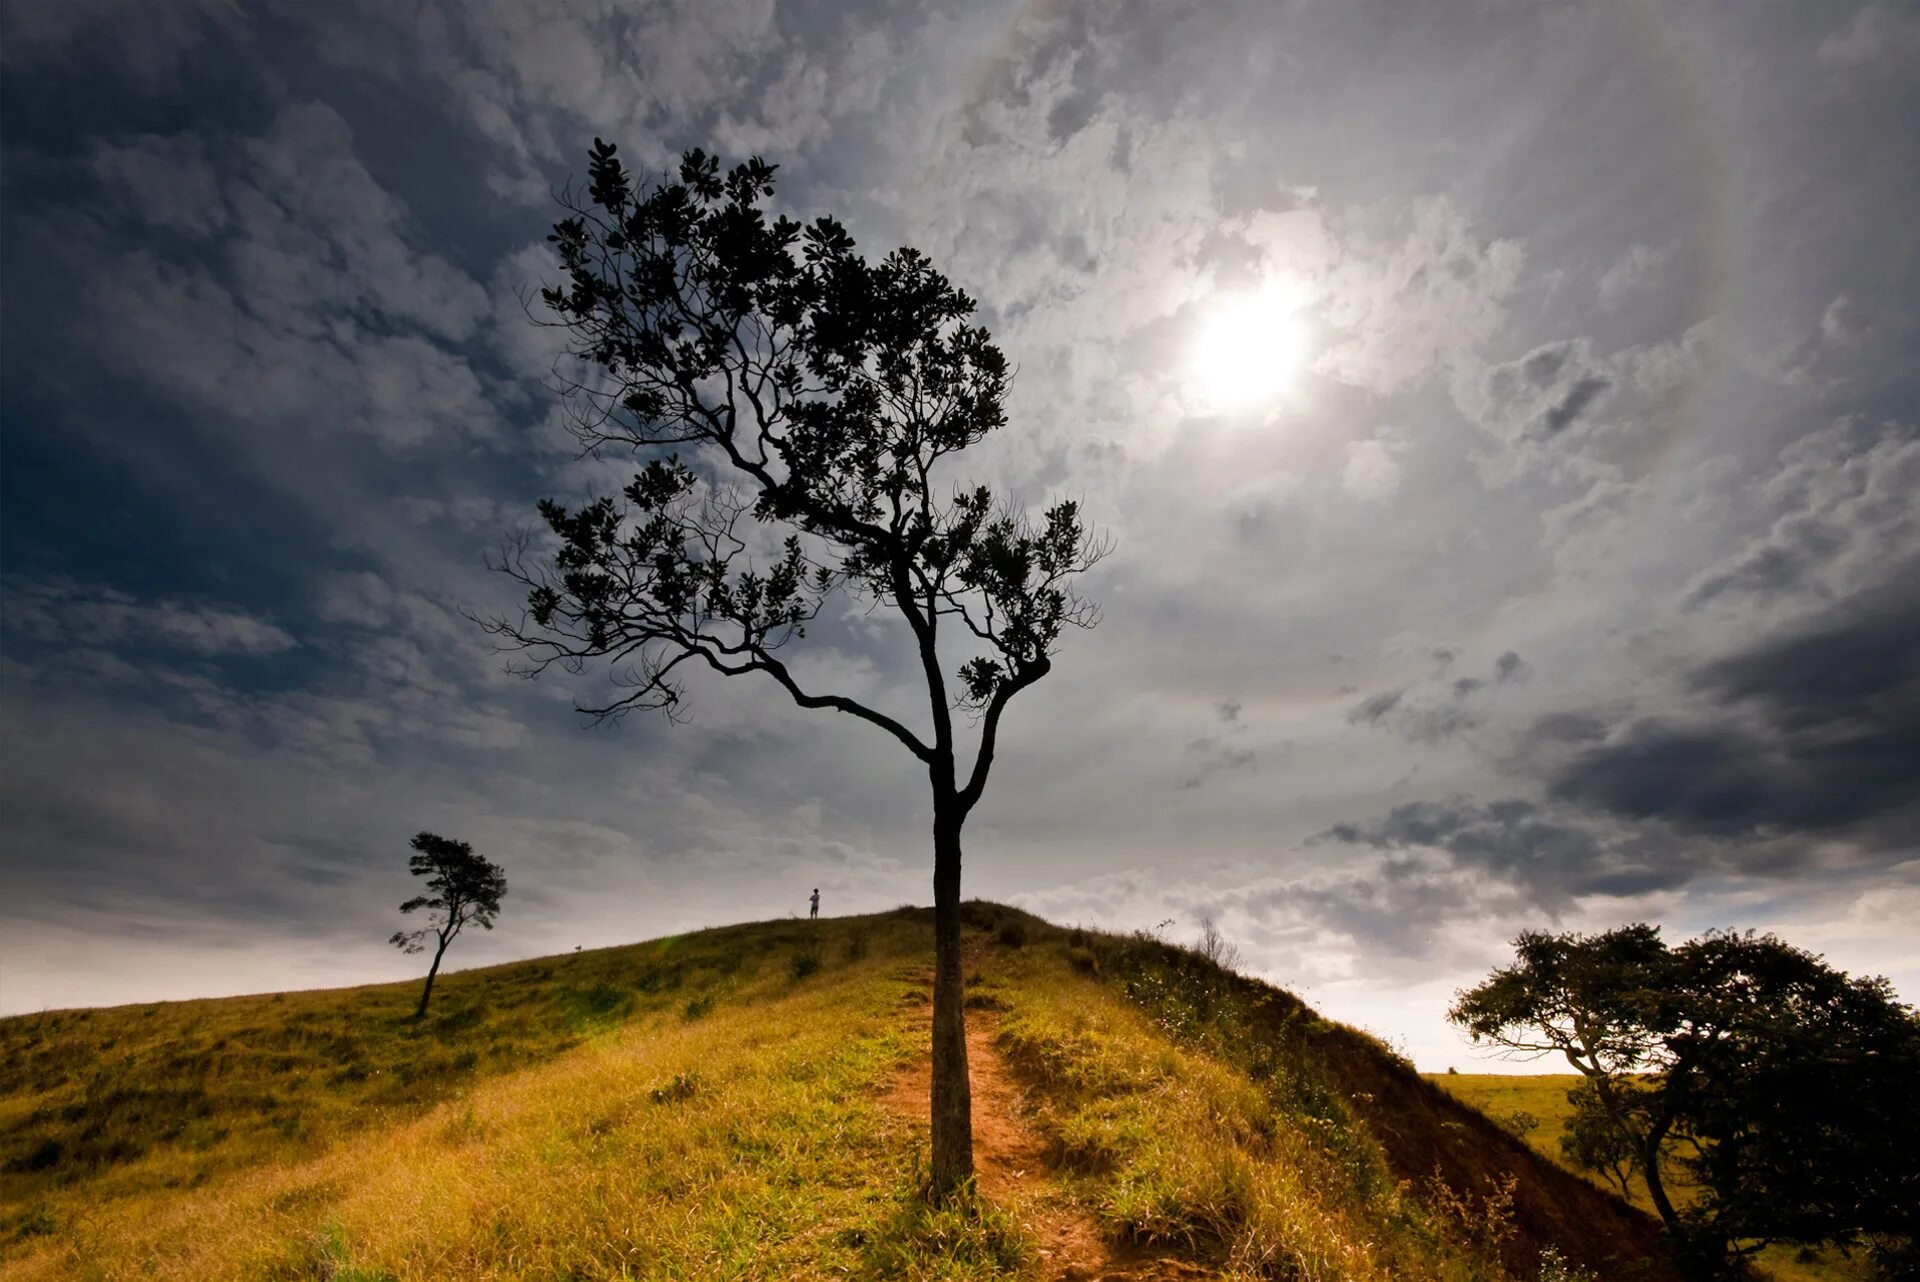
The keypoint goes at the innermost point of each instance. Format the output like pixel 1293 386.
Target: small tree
pixel 1592 1142
pixel 1780 1087
pixel 818 398
pixel 463 887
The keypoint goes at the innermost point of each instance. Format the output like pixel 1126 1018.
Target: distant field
pixel 1544 1097
pixel 742 1103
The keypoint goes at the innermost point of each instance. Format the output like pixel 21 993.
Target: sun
pixel 1250 347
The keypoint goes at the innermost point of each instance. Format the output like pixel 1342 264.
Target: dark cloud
pixel 1552 858
pixel 1546 391
pixel 1216 755
pixel 1577 399
pixel 1373 710
pixel 1437 708
pixel 1813 731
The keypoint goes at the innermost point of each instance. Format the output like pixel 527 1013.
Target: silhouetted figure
pixel 813 905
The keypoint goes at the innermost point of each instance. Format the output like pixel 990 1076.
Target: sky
pixel 1505 417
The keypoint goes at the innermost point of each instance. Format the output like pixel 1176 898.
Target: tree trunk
pixel 425 993
pixel 952 1096
pixel 1698 1255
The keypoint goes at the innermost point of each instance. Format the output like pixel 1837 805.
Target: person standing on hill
pixel 813 905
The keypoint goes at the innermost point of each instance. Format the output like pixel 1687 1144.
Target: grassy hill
pixel 749 1103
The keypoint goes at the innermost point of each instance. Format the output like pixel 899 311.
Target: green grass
pixel 714 1107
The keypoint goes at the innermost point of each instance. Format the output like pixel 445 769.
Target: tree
pixel 819 399
pixel 1780 1087
pixel 463 888
pixel 1592 1142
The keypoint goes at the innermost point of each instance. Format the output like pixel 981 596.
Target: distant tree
pixel 819 399
pixel 462 888
pixel 1781 1088
pixel 1215 947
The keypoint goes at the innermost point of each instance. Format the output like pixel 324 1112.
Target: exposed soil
pixel 1010 1160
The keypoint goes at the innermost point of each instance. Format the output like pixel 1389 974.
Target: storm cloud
pixel 1812 731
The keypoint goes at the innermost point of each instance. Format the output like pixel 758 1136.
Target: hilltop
pixel 750 1102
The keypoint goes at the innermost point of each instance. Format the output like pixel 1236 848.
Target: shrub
pixel 978 915
pixel 1518 1123
pixel 598 1007
pixel 1216 948
pixel 805 961
pixel 1555 1267
pixel 681 1086
pixel 1012 933
pixel 698 1007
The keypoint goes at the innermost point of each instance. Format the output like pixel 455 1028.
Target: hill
pixel 749 1102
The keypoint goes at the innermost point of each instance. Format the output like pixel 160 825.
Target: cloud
pixel 1373 709
pixel 1371 473
pixel 1424 305
pixel 312 299
pixel 65 614
pixel 1215 755
pixel 1551 857
pixel 1438 707
pixel 1545 392
pixel 150 41
pixel 1812 731
pixel 1842 519
pixel 1630 274
pixel 1878 38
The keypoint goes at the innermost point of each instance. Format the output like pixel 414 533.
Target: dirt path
pixel 1011 1170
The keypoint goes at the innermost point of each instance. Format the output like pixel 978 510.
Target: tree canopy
pixel 817 396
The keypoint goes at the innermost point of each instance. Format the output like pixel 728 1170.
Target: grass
pixel 1173 1149
pixel 713 1107
pixel 126 1102
pixel 1543 1096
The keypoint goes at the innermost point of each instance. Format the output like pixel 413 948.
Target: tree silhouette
pixel 1781 1087
pixel 464 887
pixel 819 399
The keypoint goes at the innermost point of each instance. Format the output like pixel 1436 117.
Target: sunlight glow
pixel 1250 347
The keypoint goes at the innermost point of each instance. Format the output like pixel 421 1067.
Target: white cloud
pixel 1632 272
pixel 1371 472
